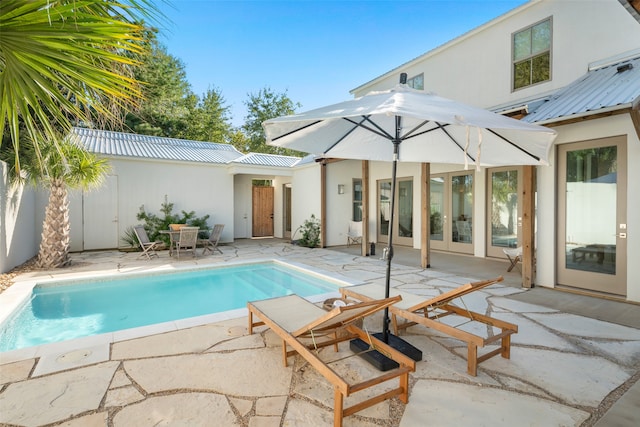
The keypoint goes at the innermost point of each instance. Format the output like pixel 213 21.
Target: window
pixel 357 200
pixel 416 82
pixel 532 55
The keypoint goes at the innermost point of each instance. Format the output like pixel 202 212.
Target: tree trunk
pixel 54 247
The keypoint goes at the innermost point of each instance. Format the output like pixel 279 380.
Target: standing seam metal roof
pixel 154 147
pixel 122 144
pixel 615 85
pixel 267 160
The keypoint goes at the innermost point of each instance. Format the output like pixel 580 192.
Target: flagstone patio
pixel 565 369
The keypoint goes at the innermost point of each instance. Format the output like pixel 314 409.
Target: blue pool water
pixel 62 312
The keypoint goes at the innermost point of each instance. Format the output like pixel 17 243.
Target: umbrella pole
pixel 377 359
pixel 387 284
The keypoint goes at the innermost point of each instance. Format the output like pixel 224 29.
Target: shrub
pixel 129 238
pixel 154 223
pixel 310 233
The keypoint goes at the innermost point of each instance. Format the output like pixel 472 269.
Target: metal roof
pixel 153 147
pixel 262 159
pixel 608 88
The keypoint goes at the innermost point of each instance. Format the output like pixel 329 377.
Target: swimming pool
pixel 59 311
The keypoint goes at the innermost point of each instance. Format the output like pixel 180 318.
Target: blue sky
pixel 316 51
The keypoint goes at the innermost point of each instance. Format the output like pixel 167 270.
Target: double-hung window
pixel 532 55
pixel 416 82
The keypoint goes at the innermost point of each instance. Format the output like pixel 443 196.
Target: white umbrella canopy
pixel 433 129
pixel 403 124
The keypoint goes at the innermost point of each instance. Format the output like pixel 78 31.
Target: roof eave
pixel 586 115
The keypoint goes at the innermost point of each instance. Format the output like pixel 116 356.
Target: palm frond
pixel 62 61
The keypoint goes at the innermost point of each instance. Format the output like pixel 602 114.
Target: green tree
pixel 263 106
pixel 208 118
pixel 66 62
pixel 238 139
pixel 165 91
pixel 56 167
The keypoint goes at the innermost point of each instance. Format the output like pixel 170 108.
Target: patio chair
pixel 514 255
pixel 173 237
pixel 148 247
pixel 354 235
pixel 211 244
pixel 464 231
pixel 430 312
pixel 306 328
pixel 187 241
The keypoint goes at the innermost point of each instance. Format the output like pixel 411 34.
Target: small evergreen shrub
pixel 310 233
pixel 154 223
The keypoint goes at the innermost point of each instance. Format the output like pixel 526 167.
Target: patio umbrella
pixel 403 124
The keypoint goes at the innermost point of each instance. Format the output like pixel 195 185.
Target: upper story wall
pixel 476 68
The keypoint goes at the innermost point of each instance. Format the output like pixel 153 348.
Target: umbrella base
pixel 379 360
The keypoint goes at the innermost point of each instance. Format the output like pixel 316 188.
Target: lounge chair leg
pixel 506 347
pixel 284 353
pixel 472 359
pixel 394 322
pixel 404 383
pixel 337 407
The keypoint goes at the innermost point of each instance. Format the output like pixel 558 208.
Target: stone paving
pixel 565 370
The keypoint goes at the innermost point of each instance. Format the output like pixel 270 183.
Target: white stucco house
pixel 572 66
pixel 568 65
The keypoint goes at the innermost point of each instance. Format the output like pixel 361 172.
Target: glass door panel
pixel 404 231
pixel 591 199
pixel 462 212
pixel 503 219
pixel 451 212
pixel 384 210
pixel 592 228
pixel 438 217
pixel 403 225
pixel 287 211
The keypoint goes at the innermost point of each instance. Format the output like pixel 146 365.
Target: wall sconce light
pixel 340 188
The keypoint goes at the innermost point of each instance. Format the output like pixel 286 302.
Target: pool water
pixel 58 312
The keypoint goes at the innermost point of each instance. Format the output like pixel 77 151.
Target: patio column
pixel 365 208
pixel 323 203
pixel 528 222
pixel 425 232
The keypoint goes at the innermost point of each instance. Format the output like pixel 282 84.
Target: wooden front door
pixel 262 211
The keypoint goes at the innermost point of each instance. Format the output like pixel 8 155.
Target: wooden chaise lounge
pixel 429 312
pixel 305 328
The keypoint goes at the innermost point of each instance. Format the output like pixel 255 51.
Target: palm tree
pixel 66 166
pixel 66 62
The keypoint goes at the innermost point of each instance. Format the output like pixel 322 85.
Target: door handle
pixel 621 235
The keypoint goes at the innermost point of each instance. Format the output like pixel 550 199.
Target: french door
pixel 403 224
pixel 452 212
pixel 592 224
pixel 504 210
